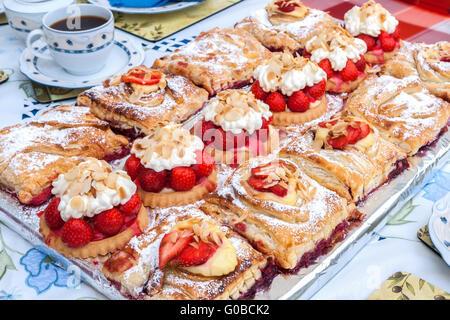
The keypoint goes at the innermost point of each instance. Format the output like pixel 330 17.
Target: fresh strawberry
pixel 369 40
pixel 204 164
pixel 387 42
pixel 132 166
pixel 361 63
pixel 132 206
pixel 109 221
pixel 76 233
pixel 396 33
pixel 256 172
pixel 256 183
pixel 172 244
pixel 194 254
pixel 325 64
pixel 258 92
pixel 182 178
pixel 339 142
pixel 298 102
pixel 365 130
pixel 150 180
pixel 350 72
pixel 353 134
pixel 317 90
pixel 52 215
pixel 276 102
pixel 278 190
pixel 323 124
pixel 285 6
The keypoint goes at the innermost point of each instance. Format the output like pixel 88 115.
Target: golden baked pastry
pixel 281 211
pixel 429 63
pixel 216 60
pixel 222 264
pixel 32 155
pixel 403 110
pixel 346 155
pixel 136 106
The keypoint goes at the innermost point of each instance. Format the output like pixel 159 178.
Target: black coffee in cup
pixel 79 23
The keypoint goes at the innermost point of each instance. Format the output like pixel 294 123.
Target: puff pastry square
pixel 135 269
pixel 280 31
pixel 403 110
pixel 429 63
pixel 354 171
pixel 33 154
pixel 113 102
pixel 216 60
pixel 292 233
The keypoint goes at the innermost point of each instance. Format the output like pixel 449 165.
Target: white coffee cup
pixel 79 52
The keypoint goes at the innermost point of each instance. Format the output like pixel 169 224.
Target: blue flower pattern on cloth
pixel 438 187
pixel 43 272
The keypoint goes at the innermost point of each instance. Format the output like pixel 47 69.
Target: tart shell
pixel 95 248
pixel 287 118
pixel 179 198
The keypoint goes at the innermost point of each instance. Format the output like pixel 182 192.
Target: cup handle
pixel 33 34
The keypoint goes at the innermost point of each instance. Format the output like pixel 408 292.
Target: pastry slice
pixel 185 255
pixel 142 99
pixel 236 127
pixel 346 155
pixel 377 28
pixel 171 168
pixel 33 154
pixel 286 25
pixel 429 63
pixel 403 110
pixel 293 87
pixel 281 211
pixel 95 211
pixel 340 55
pixel 216 60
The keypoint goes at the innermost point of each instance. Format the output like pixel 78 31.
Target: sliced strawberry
pixel 109 221
pixel 151 180
pixel 353 134
pixel 317 90
pixel 365 130
pixel 204 164
pixel 350 72
pixel 52 215
pixel 182 178
pixel 76 233
pixel 298 102
pixel 132 206
pixel 361 63
pixel 132 166
pixel 194 254
pixel 276 102
pixel 369 40
pixel 387 42
pixel 256 183
pixel 172 244
pixel 339 142
pixel 278 190
pixel 285 6
pixel 325 64
pixel 323 124
pixel 258 92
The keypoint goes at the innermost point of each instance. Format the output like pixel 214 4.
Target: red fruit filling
pixel 299 101
pixel 258 180
pixel 354 132
pixel 77 232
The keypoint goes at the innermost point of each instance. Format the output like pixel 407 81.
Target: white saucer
pixel 168 7
pixel 124 55
pixel 439 227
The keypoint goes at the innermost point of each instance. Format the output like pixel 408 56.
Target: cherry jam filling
pixel 299 101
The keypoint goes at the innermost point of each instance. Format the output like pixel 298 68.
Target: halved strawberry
pixel 369 40
pixel 256 183
pixel 325 64
pixel 194 254
pixel 317 90
pixel 278 190
pixel 52 215
pixel 132 206
pixel 182 178
pixel 353 134
pixel 365 130
pixel 132 166
pixel 205 164
pixel 172 244
pixel 151 180
pixel 298 102
pixel 350 72
pixel 258 92
pixel 339 142
pixel 276 102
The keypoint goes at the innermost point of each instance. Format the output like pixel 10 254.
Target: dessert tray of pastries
pixel 254 162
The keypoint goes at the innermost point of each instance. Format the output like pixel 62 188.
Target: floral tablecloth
pixel 26 273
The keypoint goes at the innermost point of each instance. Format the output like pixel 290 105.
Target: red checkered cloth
pixel 417 22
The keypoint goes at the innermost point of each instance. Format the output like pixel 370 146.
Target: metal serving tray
pixel 387 198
